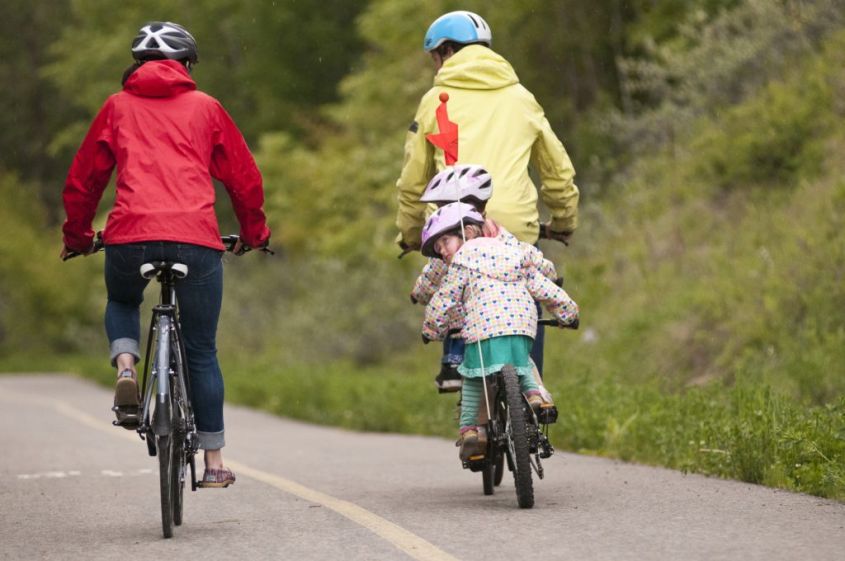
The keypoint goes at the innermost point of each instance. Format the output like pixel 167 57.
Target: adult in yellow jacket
pixel 500 126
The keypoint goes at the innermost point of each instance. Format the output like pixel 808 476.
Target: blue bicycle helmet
pixel 460 27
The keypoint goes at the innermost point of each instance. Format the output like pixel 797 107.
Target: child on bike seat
pixel 495 285
pixel 471 184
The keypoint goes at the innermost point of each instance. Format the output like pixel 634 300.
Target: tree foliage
pixel 325 92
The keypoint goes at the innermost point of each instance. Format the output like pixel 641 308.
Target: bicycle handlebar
pixel 555 323
pixel 228 241
pixel 232 239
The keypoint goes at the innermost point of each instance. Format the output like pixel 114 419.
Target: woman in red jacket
pixel 168 141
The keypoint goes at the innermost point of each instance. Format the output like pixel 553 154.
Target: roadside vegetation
pixel 709 263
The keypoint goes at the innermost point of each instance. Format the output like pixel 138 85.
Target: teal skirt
pixel 497 352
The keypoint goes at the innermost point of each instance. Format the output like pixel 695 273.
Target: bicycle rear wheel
pixel 177 461
pixel 166 479
pixel 171 465
pixel 500 469
pixel 181 412
pixel 516 433
pixel 495 461
pixel 164 425
pixel 178 477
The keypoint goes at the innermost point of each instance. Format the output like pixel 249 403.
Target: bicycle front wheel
pixel 488 476
pixel 516 432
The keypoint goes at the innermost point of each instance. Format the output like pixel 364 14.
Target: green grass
pixel 744 432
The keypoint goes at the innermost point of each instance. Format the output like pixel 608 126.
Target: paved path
pixel 73 487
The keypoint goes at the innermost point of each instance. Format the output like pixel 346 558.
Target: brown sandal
pixel 126 400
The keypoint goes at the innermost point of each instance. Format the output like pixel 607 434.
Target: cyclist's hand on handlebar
pixel 405 246
pixel 547 233
pixel 234 244
pixel 239 247
pixel 68 253
pixel 572 324
pixel 96 245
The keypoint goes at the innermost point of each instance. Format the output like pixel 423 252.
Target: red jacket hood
pixel 160 78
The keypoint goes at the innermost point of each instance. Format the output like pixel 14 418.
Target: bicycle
pixel 165 418
pixel 514 433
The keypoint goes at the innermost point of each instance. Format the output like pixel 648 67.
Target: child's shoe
pixel 448 380
pixel 472 447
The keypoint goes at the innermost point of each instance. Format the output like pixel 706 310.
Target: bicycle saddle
pixel 149 270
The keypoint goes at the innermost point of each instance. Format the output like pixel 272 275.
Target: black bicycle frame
pixel 165 328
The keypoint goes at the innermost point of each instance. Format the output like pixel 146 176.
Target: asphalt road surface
pixel 74 487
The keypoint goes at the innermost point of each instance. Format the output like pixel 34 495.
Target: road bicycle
pixel 165 418
pixel 516 435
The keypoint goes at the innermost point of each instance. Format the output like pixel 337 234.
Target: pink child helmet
pixel 462 182
pixel 446 219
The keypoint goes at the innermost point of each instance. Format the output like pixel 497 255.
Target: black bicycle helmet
pixel 164 39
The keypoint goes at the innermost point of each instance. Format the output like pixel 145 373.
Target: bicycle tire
pixel 488 476
pixel 165 470
pixel 179 407
pixel 500 469
pixel 178 459
pixel 178 479
pixel 517 435
pixel 163 424
pixel 494 469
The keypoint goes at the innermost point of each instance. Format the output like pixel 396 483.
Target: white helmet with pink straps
pixel 462 182
pixel 446 219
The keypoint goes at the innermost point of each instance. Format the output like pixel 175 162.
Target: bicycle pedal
pixel 473 465
pixel 547 415
pixel 127 417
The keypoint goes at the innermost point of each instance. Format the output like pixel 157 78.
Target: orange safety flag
pixel 447 138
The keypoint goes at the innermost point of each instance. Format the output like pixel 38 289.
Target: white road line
pixel 76 473
pixel 411 544
pixel 49 475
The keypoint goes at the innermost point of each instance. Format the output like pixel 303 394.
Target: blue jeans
pixel 453 350
pixel 199 295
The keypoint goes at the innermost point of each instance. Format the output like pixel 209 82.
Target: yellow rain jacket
pixel 501 127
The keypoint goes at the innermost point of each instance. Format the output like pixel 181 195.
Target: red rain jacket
pixel 168 140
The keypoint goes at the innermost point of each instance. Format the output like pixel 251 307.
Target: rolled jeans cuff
pixel 211 440
pixel 125 345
